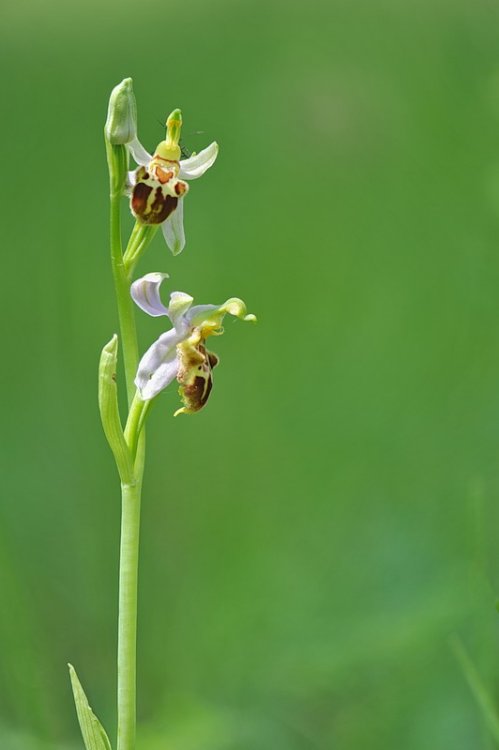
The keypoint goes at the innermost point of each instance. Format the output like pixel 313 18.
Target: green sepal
pixel 93 733
pixel 210 320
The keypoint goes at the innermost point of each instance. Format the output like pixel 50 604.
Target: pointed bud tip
pixel 123 87
pixel 112 346
pixel 174 117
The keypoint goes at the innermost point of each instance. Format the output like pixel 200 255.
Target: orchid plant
pixel 156 189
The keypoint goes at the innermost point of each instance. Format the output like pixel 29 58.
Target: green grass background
pixel 313 538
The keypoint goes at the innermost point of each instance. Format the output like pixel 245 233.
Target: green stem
pixel 127 623
pixel 123 266
pixel 135 422
pixel 140 238
pixel 131 500
pixel 124 300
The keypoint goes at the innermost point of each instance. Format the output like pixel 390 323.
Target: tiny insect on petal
pixel 195 166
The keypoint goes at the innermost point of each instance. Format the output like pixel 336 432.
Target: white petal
pixel 159 365
pixel 145 294
pixel 196 166
pixel 164 375
pixel 130 182
pixel 139 153
pixel 173 229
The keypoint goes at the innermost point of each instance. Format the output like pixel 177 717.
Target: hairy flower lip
pixel 180 352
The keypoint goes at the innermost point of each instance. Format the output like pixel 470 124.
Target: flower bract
pixel 180 353
pixel 121 122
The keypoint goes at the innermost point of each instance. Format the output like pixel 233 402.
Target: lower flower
pixel 181 352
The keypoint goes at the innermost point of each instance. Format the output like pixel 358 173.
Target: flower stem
pixel 140 238
pixel 127 624
pixel 135 422
pixel 131 499
pixel 123 299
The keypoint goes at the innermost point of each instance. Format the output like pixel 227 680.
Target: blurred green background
pixel 313 538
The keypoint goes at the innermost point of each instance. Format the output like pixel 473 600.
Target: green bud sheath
pixel 121 123
pixel 109 412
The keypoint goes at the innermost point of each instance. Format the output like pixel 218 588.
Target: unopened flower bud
pixel 109 411
pixel 121 123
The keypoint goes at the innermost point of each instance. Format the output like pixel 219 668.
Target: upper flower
pixel 158 186
pixel 181 352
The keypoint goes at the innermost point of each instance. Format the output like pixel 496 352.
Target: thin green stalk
pixel 123 299
pixel 127 623
pixel 131 501
pixel 127 447
pixel 140 238
pixel 135 422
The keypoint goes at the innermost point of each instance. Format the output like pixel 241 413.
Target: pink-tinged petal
pixel 163 376
pixel 173 229
pixel 158 367
pixel 196 166
pixel 146 294
pixel 140 155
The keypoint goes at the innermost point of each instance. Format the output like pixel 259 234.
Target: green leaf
pixel 94 735
pixel 482 696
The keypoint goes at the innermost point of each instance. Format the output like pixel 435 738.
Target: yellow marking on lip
pixel 163 176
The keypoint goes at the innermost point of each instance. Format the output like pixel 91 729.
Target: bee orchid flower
pixel 158 186
pixel 180 353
